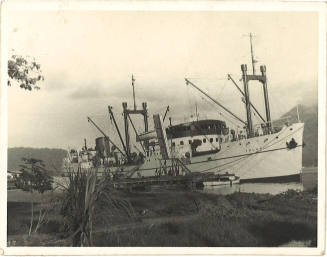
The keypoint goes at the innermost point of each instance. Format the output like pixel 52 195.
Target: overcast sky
pixel 87 60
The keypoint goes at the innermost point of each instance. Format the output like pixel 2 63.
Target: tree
pixel 34 178
pixel 24 71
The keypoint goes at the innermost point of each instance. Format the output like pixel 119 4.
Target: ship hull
pixel 263 157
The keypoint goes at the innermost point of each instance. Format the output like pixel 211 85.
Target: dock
pixel 189 181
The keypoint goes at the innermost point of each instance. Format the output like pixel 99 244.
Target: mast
pixel 133 91
pixel 115 123
pixel 252 55
pixel 263 80
pixel 255 109
pixel 196 112
pixel 247 101
pixel 297 112
pixel 265 93
pixel 127 139
pixel 137 135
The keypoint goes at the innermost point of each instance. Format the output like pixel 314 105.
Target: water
pixel 309 181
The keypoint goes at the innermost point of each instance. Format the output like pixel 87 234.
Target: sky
pixel 88 57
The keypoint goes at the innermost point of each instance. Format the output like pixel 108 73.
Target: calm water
pixel 309 181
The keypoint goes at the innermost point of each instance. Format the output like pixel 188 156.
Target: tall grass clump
pixel 81 196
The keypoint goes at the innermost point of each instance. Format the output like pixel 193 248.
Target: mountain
pixel 308 115
pixel 52 158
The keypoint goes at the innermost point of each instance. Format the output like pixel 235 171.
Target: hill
pixel 308 115
pixel 52 158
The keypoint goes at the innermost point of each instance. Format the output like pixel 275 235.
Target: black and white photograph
pixel 193 128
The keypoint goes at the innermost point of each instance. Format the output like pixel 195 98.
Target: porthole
pixel 204 140
pixel 216 139
pixel 211 140
pixel 291 128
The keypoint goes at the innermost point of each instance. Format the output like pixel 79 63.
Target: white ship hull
pixel 256 158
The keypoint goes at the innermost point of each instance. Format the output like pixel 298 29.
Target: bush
pixel 80 198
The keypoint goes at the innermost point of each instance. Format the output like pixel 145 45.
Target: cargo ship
pixel 253 152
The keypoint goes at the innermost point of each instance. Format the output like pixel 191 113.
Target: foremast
pixel 263 80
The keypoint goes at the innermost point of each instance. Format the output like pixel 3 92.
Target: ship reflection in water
pixel 309 181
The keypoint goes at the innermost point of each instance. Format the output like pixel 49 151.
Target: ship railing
pixel 261 129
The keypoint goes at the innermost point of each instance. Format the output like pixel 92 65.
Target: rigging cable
pixel 220 113
pixel 215 105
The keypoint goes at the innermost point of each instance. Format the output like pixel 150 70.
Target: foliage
pixel 80 198
pixel 34 178
pixel 24 71
pixel 240 219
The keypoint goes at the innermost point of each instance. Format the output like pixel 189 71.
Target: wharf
pixel 193 180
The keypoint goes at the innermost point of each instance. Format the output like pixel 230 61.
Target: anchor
pixel 292 144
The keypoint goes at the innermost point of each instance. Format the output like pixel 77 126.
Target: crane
pixel 188 82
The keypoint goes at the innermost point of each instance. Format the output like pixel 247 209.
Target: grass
pixel 179 218
pixel 237 220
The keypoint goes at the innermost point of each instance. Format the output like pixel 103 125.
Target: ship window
pixel 211 140
pixel 190 142
pixel 204 140
pixel 216 139
pixel 181 142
